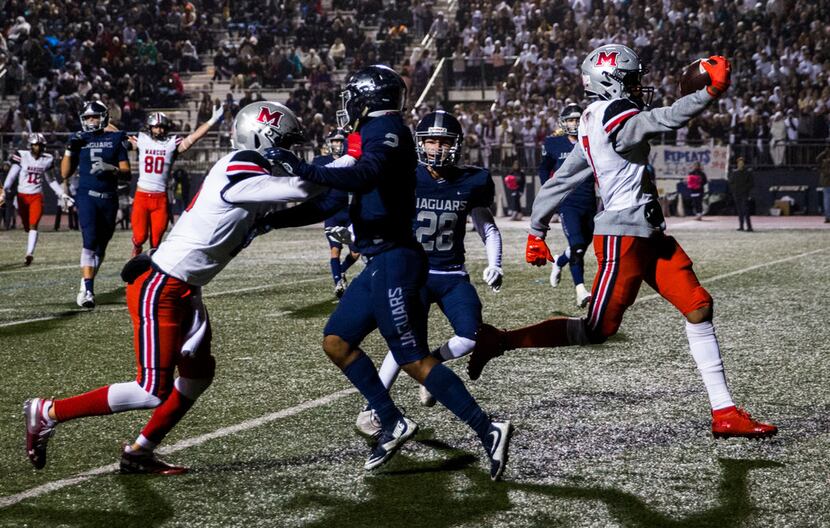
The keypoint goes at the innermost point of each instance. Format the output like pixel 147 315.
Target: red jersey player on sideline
pixel 629 239
pixel 170 324
pixel 156 153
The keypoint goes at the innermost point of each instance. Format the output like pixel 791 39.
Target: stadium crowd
pixel 531 51
pixel 57 54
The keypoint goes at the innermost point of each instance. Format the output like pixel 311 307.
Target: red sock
pixel 92 403
pixel 166 416
pixel 550 333
pixel 720 412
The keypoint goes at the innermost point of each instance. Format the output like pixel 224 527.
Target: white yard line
pixel 38 270
pixel 55 485
pixel 122 307
pixel 37 491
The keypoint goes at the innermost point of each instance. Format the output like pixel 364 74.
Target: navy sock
pixel 88 285
pixel 347 263
pixel 578 273
pixel 335 269
pixel 562 260
pixel 451 392
pixel 363 375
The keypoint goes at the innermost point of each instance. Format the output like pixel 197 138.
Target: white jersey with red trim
pixel 32 171
pixel 619 180
pixel 239 189
pixel 154 161
pixel 613 148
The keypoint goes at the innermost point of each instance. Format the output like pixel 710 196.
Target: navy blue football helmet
pixel 336 135
pixel 439 125
pixel 372 89
pixel 95 109
pixel 571 111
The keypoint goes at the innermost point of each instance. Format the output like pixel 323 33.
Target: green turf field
pixel 615 435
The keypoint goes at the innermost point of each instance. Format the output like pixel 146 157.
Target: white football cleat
pixel 368 422
pixel 389 442
pixel 86 299
pixel 555 273
pixel 427 399
pixel 583 296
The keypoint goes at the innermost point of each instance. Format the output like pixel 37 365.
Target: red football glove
pixel 537 252
pixel 355 145
pixel 719 71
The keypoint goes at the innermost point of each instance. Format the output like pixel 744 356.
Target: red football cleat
pixel 147 463
pixel 734 422
pixel 489 345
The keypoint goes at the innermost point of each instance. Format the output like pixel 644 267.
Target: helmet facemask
pixel 336 147
pixel 438 150
pixel 344 117
pixel 92 122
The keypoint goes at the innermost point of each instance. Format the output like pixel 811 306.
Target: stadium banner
pixel 674 162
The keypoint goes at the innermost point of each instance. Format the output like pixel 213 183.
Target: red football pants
pixel 624 262
pixel 149 216
pixel 30 207
pixel 162 314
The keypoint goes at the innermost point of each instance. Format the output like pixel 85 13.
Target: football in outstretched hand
pixel 694 77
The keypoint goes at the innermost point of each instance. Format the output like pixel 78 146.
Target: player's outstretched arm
pixel 574 170
pixel 311 212
pixel 648 123
pixel 199 133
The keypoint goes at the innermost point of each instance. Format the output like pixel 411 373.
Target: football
pixel 694 78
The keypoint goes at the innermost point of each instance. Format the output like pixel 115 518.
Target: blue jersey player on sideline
pixel 387 294
pixel 445 195
pixel 100 155
pixel 336 143
pixel 577 210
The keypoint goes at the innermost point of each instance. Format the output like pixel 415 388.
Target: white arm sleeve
pixel 270 189
pixel 11 177
pixel 487 229
pixel 55 187
pixel 342 161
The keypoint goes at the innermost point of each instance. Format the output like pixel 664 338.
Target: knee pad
pixel 88 259
pixel 458 346
pixel 129 395
pixel 577 255
pixel 192 388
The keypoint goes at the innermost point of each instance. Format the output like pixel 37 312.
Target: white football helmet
pixel 615 71
pixel 265 124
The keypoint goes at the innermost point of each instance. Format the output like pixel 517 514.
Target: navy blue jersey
pixel 382 184
pixel 554 152
pixel 88 147
pixel 341 217
pixel 442 207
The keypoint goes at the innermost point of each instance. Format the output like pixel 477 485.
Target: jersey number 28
pixel 444 225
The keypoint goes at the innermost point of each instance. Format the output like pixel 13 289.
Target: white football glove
pixel 493 276
pixel 218 114
pixel 340 234
pixel 100 166
pixel 66 202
